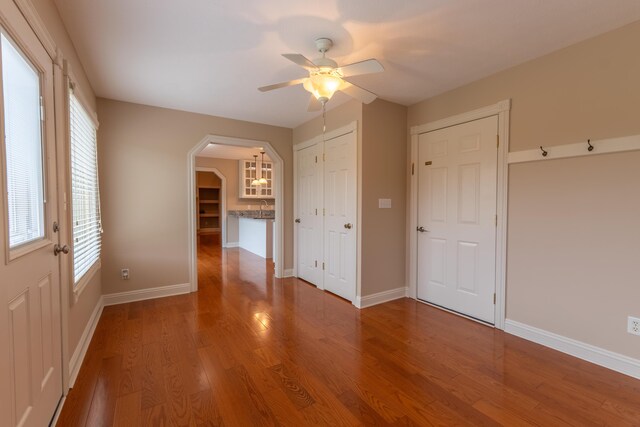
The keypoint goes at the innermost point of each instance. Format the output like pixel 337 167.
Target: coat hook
pixel 590 146
pixel 544 153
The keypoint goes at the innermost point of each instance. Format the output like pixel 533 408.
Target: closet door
pixel 340 206
pixel 309 214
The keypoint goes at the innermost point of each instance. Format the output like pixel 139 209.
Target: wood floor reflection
pixel 248 350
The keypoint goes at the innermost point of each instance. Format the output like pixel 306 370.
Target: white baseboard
pixel 617 362
pixel 380 297
pixel 144 294
pixel 232 244
pixel 289 272
pixel 81 349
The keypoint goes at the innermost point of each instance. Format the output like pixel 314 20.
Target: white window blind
pixel 85 192
pixel 23 146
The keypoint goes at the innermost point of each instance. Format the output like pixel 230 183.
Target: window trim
pixel 31 246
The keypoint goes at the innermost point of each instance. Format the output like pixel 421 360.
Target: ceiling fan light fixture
pixel 322 84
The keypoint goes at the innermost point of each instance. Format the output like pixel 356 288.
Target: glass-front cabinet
pixel 250 170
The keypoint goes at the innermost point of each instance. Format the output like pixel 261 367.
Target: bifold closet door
pixel 309 214
pixel 340 206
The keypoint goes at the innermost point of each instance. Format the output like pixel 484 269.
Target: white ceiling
pixel 221 151
pixel 209 56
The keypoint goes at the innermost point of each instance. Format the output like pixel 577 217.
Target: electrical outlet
pixel 633 327
pixel 124 274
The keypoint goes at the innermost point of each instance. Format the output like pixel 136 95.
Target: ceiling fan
pixel 325 77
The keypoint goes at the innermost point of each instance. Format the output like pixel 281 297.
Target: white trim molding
pixel 81 349
pixel 502 111
pixel 599 356
pixel 145 294
pixel 37 25
pixel 288 273
pixel 232 245
pixel 480 113
pixel 578 149
pixel 380 297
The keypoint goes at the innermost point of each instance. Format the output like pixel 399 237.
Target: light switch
pixel 384 203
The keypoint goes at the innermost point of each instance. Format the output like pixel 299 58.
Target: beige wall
pixel 382 161
pixel 143 178
pixel 384 168
pixel 572 222
pixel 80 311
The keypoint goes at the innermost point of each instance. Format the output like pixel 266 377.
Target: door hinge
pixel 413 168
pixel 323 265
pixel 41 109
pixel 497 141
pixel 494 299
pixel 496 220
pixel 316 264
pixel 316 159
pixel 316 211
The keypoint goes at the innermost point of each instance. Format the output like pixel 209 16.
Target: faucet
pixel 266 204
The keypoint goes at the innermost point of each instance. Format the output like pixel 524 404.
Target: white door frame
pixel 502 110
pixel 278 256
pixel 319 139
pixel 223 203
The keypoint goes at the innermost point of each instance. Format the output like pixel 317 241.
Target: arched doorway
pixel 278 256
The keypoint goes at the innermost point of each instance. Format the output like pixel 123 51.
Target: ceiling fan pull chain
pixel 324 121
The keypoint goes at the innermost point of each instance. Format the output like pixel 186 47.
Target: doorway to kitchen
pixel 248 217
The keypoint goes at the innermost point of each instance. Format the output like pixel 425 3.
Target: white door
pixel 457 178
pixel 30 334
pixel 309 214
pixel 340 204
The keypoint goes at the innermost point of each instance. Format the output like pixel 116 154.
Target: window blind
pixel 85 191
pixel 23 146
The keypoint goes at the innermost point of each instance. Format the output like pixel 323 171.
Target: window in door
pixel 23 146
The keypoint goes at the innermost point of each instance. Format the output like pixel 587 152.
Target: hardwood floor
pixel 251 350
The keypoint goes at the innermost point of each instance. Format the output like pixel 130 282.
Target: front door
pixel 457 178
pixel 30 333
pixel 340 205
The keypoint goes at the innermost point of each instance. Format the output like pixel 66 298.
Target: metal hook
pixel 544 153
pixel 590 146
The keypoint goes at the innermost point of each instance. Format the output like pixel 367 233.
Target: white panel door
pixel 457 178
pixel 309 214
pixel 340 204
pixel 30 334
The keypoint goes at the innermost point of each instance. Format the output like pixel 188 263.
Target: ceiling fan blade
pixel 314 104
pixel 279 85
pixel 358 93
pixel 301 60
pixel 367 66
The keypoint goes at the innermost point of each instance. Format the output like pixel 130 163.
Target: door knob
pixel 347 226
pixel 297 221
pixel 57 249
pixel 422 229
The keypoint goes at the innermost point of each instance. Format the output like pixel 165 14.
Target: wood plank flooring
pixel 249 350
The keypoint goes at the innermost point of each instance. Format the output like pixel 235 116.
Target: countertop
pixel 253 214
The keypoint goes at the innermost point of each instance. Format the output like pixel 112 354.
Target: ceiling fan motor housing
pixel 323 44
